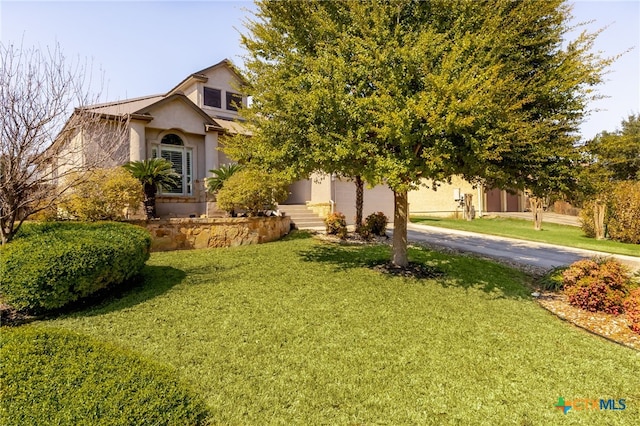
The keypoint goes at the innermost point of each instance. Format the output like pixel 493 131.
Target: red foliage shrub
pixel 597 286
pixel 632 308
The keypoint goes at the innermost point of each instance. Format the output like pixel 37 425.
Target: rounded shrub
pixel 252 191
pixel 376 224
pixel 58 377
pixel 632 308
pixel 51 265
pixel 597 286
pixel 336 224
pixel 103 194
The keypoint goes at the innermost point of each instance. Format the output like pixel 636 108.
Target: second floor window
pixel 212 97
pixel 234 101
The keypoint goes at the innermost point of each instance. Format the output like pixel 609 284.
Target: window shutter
pixel 175 157
pixel 189 173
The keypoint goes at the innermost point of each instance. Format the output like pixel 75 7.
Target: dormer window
pixel 234 100
pixel 213 97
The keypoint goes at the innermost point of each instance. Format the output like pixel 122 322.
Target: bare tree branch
pixel 44 142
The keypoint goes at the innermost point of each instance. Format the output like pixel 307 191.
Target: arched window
pixel 172 148
pixel 172 139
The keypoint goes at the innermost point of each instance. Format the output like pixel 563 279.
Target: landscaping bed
pixel 612 327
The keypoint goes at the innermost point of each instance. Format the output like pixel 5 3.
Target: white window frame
pixel 187 157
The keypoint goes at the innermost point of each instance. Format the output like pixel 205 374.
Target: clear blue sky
pixel 147 47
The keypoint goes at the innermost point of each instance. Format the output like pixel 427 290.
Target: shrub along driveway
pixel 304 332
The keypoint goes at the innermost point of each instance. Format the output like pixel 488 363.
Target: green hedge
pixel 52 264
pixel 57 377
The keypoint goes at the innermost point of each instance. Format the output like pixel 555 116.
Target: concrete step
pixel 302 216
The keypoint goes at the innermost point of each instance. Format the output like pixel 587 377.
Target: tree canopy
pixel 618 152
pixel 403 91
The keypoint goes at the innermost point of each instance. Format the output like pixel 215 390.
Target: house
pixel 186 126
pixel 328 193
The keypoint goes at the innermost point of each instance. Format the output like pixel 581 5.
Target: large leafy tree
pixel 404 91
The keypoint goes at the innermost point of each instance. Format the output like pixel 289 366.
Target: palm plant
pixel 220 175
pixel 154 174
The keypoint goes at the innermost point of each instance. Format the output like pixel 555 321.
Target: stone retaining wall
pixel 183 233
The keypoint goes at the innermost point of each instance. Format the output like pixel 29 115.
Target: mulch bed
pixel 612 327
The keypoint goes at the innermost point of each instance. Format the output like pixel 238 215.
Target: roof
pixel 141 107
pixel 232 127
pixel 126 106
pixel 201 75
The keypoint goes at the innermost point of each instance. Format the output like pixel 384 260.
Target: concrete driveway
pixel 538 255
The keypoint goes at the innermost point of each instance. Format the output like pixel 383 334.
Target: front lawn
pixel 304 332
pixel 551 233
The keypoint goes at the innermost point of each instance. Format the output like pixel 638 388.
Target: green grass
pixel 303 332
pixel 60 377
pixel 552 233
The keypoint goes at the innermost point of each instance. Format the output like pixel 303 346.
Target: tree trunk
pixel 150 201
pixel 598 219
pixel 536 209
pixel 468 206
pixel 400 217
pixel 359 203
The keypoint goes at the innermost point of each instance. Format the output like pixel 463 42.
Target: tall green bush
pixel 624 212
pixel 57 377
pixel 253 191
pixel 51 265
pixel 586 220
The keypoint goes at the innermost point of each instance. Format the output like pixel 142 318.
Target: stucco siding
pixel 321 191
pixel 376 199
pixel 442 201
pixel 225 81
pixel 177 115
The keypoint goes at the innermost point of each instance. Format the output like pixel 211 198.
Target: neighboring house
pixel 186 126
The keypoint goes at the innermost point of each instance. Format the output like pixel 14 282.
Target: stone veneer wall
pixel 183 233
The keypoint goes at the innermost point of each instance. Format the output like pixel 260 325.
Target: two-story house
pixel 185 126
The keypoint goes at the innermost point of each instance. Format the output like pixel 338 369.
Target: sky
pixel 147 47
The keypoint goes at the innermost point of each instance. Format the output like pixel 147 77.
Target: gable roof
pixel 201 75
pixel 176 96
pixel 141 107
